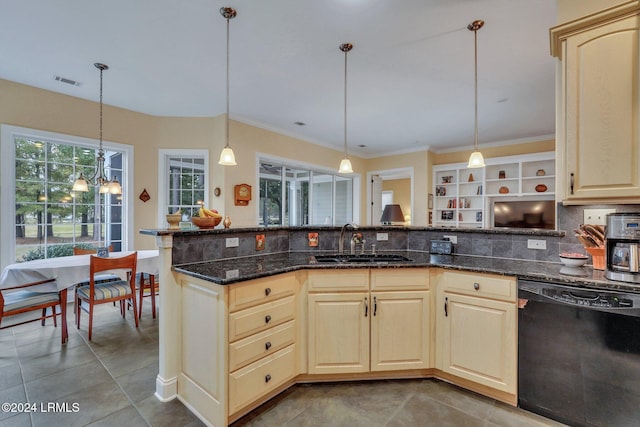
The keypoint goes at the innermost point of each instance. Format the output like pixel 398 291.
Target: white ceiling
pixel 410 73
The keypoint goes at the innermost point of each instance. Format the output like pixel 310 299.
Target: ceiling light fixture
pixel 345 164
pixel 476 160
pixel 227 158
pixel 99 176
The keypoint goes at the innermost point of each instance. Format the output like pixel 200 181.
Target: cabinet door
pixel 400 329
pixel 338 333
pixel 477 340
pixel 602 121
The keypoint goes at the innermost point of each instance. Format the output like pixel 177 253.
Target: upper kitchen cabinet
pixel 598 120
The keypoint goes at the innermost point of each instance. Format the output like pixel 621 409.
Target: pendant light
pixel 227 158
pixel 99 176
pixel 476 160
pixel 345 164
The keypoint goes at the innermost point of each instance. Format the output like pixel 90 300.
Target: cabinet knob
pixel 267 291
pixel 476 286
pixel 267 378
pixel 267 318
pixel 267 345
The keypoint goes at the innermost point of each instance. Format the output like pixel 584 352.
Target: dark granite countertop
pixel 227 271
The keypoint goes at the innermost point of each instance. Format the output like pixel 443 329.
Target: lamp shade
pixel 391 213
pixel 476 160
pixel 345 166
pixel 227 158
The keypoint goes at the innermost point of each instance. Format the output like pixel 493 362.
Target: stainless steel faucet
pixel 341 241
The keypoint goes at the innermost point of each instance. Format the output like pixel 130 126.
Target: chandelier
pixel 99 177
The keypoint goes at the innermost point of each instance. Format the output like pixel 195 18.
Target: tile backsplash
pixel 491 243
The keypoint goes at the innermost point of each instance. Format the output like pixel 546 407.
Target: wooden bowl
pixel 206 222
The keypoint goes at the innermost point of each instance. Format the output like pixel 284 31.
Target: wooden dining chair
pixel 151 284
pixel 100 293
pixel 22 298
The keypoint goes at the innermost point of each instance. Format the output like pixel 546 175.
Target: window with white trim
pixel 47 218
pixel 185 174
pixel 292 195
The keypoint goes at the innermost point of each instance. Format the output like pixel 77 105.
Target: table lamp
pixel 391 213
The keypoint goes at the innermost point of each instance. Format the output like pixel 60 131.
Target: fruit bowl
pixel 206 222
pixel 573 259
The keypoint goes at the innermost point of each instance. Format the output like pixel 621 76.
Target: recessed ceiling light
pixel 67 81
pixel 300 123
pixel 503 100
pixel 361 145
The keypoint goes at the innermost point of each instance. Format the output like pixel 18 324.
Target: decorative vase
pixel 226 222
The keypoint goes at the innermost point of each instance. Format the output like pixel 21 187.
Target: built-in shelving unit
pixel 462 196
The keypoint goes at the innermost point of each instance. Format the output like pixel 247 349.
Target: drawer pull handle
pixel 267 292
pixel 476 286
pixel 572 182
pixel 267 318
pixel 267 345
pixel 267 378
pixel 446 307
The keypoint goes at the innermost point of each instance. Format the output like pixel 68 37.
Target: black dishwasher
pixel 579 354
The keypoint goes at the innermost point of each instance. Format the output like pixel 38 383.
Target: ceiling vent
pixel 67 81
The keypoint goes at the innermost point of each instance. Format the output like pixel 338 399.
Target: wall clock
pixel 242 194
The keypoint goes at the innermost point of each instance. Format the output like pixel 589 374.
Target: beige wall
pixel 499 151
pixel 34 108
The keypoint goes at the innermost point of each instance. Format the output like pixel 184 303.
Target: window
pixel 48 219
pixel 293 195
pixel 186 178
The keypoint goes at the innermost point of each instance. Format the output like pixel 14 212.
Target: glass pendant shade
pixel 476 160
pixel 114 186
pixel 81 184
pixel 227 158
pixel 345 166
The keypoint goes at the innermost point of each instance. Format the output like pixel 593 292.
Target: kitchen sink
pixel 359 259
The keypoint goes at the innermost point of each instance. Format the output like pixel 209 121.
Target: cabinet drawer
pixel 256 319
pixel 400 279
pixel 245 295
pixel 254 347
pixel 259 378
pixel 341 280
pixel 484 285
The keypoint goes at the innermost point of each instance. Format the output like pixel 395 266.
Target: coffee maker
pixel 622 247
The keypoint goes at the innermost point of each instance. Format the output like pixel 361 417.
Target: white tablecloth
pixel 67 271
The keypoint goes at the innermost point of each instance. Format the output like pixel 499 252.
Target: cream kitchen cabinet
pixel 476 333
pixel 597 133
pixel 238 343
pixel 365 321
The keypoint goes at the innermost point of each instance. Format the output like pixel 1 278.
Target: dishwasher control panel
pixel 588 300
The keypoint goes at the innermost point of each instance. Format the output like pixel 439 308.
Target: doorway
pixel 399 182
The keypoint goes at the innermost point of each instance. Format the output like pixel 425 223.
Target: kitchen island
pixel 237 330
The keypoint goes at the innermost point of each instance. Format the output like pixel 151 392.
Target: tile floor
pixel 111 382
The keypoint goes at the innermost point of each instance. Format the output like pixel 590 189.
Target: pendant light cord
pixel 101 70
pixel 345 102
pixel 226 135
pixel 475 37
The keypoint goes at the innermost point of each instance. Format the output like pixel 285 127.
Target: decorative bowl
pixel 174 220
pixel 573 259
pixel 206 222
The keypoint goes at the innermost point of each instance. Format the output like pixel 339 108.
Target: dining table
pixel 63 272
